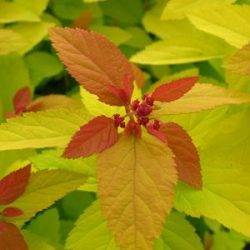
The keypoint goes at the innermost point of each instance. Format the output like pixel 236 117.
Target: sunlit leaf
pixel 201 97
pixel 136 191
pixel 94 64
pixel 229 22
pixel 39 130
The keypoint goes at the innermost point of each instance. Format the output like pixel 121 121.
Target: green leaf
pixel 13 75
pixel 229 22
pixel 227 241
pixel 91 232
pixel 13 12
pixel 49 220
pixel 42 65
pixel 139 39
pixel 33 33
pixel 35 242
pixel 177 48
pixel 10 41
pixel 178 234
pixel 116 35
pixel 177 9
pixel 225 168
pixel 45 187
pixel 36 7
pixel 51 159
pixel 71 206
pixel 182 49
pixel 123 11
pixel 68 9
pixel 40 130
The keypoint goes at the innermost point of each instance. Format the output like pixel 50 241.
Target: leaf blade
pixel 96 63
pixel 93 137
pixel 131 189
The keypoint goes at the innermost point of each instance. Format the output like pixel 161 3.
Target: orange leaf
pixel 11 238
pixel 93 137
pixel 136 179
pixel 96 63
pixel 174 90
pixel 51 101
pixel 21 100
pixel 13 185
pixel 12 212
pixel 186 156
pixel 138 75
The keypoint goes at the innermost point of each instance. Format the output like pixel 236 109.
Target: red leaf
pixel 22 99
pixel 13 185
pixel 174 90
pixel 93 137
pixel 186 156
pixel 11 238
pixel 12 212
pixel 96 63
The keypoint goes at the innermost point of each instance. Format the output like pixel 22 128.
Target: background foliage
pixel 168 40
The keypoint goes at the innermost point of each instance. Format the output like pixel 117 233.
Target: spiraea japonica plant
pixel 140 157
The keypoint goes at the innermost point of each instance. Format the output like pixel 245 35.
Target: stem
pixel 129 113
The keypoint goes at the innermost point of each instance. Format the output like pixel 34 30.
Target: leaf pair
pixel 22 102
pixel 12 187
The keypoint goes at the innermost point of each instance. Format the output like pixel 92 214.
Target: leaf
pixel 136 191
pixel 91 232
pixel 36 7
pixel 33 33
pixel 13 185
pixel 67 9
pixel 11 212
pixel 50 220
pixel 22 99
pixel 229 22
pixel 95 64
pixel 123 11
pixel 12 70
pixel 93 137
pixel 45 187
pixel 96 108
pixel 227 240
pixel 40 130
pixel 11 238
pixel 174 90
pixel 42 66
pixel 52 102
pixel 10 42
pixel 182 49
pixel 140 39
pixel 13 12
pixel 178 9
pixel 239 63
pixel 186 156
pixel 178 234
pixel 224 161
pixel 35 242
pixel 201 97
pixel 117 35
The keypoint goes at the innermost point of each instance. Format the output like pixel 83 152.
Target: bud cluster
pixel 119 121
pixel 143 109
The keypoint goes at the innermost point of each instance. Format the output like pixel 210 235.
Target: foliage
pixel 129 129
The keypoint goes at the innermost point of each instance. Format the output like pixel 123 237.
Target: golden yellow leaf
pixel 201 97
pixel 136 180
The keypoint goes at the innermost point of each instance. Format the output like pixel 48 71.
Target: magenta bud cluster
pixel 143 109
pixel 119 121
